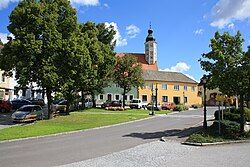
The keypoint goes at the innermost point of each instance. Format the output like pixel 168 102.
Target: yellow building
pixel 170 86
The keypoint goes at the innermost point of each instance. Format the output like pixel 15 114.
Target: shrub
pixel 247 113
pixel 229 129
pixel 228 114
pixel 180 107
pixel 197 106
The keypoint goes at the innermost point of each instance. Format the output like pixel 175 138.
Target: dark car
pixel 28 113
pixel 156 108
pixel 5 106
pixel 168 106
pixel 112 104
pixel 17 103
pixel 36 101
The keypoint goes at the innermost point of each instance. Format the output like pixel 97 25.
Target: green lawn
pixel 86 119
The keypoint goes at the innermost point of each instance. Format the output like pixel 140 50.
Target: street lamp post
pixel 156 96
pixel 203 83
pixel 152 108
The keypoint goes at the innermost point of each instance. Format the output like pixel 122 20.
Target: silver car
pixel 28 113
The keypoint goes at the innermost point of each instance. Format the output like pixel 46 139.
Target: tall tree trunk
pixel 93 98
pixel 43 93
pixel 49 98
pixel 82 100
pixel 67 107
pixel 123 97
pixel 242 117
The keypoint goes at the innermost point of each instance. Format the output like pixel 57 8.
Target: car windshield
pixel 135 101
pixel 26 109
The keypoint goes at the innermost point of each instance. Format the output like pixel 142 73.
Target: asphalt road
pixel 69 148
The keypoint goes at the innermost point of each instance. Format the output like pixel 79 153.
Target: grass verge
pixel 86 119
pixel 211 136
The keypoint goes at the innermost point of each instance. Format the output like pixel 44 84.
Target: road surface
pixel 69 148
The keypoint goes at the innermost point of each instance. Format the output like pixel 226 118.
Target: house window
pixel 101 97
pixel 131 97
pixel 109 97
pixel 193 88
pixel 176 87
pixel 164 86
pixel 117 97
pixel 164 98
pixel 3 78
pixel 185 87
pixel 185 99
pixel 144 98
pixel 176 100
pixel 150 86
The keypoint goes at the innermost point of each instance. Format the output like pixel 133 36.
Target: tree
pixel 128 74
pixel 226 67
pixel 98 40
pixel 73 67
pixel 1 43
pixel 41 29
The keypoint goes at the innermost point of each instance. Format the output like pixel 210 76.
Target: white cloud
pixel 5 3
pixel 227 11
pixel 119 40
pixel 179 67
pixel 3 37
pixel 199 32
pixel 231 26
pixel 106 5
pixel 85 2
pixel 132 31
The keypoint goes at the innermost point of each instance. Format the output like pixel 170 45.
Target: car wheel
pixel 3 110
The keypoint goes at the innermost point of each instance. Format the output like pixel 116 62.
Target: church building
pixel 161 86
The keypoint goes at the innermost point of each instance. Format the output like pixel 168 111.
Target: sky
pixel 182 28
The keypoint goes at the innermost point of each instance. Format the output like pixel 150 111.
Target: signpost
pixel 220 98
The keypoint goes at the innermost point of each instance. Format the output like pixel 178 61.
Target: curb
pixel 77 131
pixel 215 143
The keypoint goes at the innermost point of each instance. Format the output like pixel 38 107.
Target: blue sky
pixel 182 28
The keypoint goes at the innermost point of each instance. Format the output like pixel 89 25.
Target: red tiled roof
pixel 141 59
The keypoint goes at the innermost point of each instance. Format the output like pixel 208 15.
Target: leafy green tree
pixel 41 29
pixel 226 66
pixel 98 40
pixel 128 74
pixel 1 43
pixel 74 67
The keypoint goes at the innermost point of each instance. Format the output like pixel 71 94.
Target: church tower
pixel 150 48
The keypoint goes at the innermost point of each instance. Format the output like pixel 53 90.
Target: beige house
pixel 6 87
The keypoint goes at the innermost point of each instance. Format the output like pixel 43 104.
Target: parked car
pixel 137 103
pixel 61 105
pixel 114 103
pixel 168 106
pixel 36 101
pixel 17 103
pixel 28 113
pixel 5 106
pixel 156 108
pixel 87 103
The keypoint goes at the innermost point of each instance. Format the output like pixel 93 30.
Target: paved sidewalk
pixel 173 154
